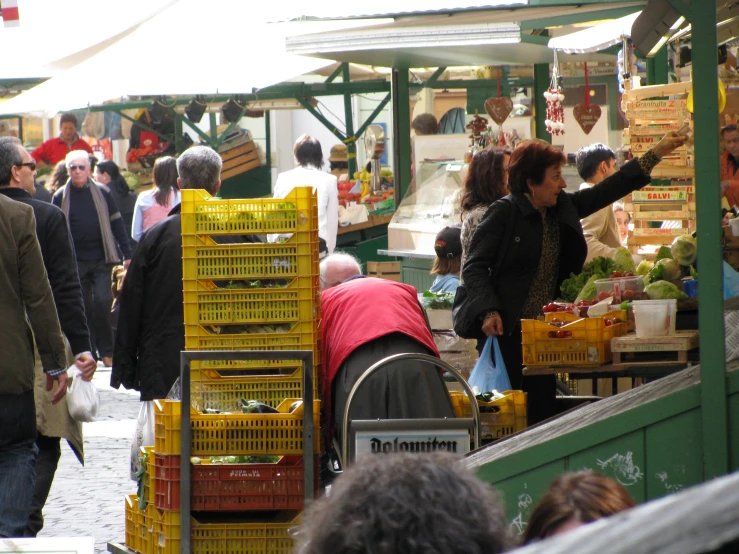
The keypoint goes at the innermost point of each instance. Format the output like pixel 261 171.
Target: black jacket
pixel 61 267
pixel 151 330
pixel 500 280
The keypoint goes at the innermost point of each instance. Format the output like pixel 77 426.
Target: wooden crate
pixel 679 343
pixel 239 159
pixel 384 270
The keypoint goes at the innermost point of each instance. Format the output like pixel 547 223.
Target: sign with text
pixel 454 441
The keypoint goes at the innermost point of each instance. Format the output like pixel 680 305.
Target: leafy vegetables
pixel 664 290
pixel 600 266
pixel 437 300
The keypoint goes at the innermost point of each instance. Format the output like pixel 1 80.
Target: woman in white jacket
pixel 309 157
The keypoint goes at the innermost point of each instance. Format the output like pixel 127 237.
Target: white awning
pixel 392 8
pixel 192 47
pixel 595 38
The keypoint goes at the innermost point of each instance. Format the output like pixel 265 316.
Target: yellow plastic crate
pixel 302 336
pixel 224 390
pixel 203 214
pixel 266 537
pixel 205 260
pixel 509 418
pixel 167 426
pixel 235 434
pixel 146 455
pixel 299 301
pixel 137 536
pixel 589 345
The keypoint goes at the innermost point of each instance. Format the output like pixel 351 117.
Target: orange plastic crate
pixel 203 214
pixel 509 416
pixel 236 487
pixel 235 434
pixel 589 346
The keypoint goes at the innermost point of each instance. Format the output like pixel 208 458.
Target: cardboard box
pixel 440 319
pixel 384 270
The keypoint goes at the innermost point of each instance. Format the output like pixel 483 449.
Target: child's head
pixel 448 247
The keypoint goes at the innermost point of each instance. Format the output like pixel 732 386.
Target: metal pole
pixel 710 282
pixel 541 84
pixel 351 141
pixel 401 132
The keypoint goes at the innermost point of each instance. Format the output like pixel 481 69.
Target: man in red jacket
pixel 56 149
pixel 365 320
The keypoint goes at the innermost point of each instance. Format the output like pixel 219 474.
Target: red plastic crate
pixel 235 487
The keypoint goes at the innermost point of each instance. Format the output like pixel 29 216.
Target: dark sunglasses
pixel 30 165
pixel 76 167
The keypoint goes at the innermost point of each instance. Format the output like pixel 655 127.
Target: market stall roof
pixel 54 36
pixel 596 38
pixel 493 36
pixel 396 8
pixel 168 55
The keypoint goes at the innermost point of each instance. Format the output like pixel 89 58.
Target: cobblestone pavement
pixel 89 501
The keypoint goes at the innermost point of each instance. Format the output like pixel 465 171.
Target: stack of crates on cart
pixel 251 296
pixel 660 213
pixel 498 418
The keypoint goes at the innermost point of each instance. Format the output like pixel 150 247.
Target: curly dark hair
pixel 406 504
pixel 529 162
pixel 485 182
pixel 583 496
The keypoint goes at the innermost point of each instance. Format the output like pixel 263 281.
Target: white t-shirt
pixel 324 185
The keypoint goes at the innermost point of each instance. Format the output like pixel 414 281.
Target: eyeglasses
pixel 76 167
pixel 30 165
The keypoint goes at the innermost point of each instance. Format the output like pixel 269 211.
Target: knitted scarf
pixel 104 218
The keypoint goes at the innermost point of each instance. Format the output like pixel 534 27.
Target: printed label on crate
pixel 657 195
pixel 638 144
pixel 662 216
pixel 661 232
pixel 652 104
pixel 656 129
pixel 389 442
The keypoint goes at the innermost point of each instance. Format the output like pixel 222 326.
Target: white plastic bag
pixel 144 435
pixel 83 400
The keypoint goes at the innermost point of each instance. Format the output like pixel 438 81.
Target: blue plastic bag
pixel 490 373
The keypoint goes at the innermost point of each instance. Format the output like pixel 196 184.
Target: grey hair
pixel 77 155
pixel 396 503
pixel 337 267
pixel 199 167
pixel 10 156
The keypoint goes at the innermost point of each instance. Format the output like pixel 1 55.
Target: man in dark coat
pixel 28 314
pixel 151 332
pixel 53 420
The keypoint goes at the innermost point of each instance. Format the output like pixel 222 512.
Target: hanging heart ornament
pixel 587 115
pixel 499 108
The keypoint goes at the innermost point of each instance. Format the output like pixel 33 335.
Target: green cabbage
pixel 644 267
pixel 672 270
pixel 685 250
pixel 589 291
pixel 664 252
pixel 623 260
pixel 664 290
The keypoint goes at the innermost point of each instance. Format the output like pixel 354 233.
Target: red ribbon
pixel 587 87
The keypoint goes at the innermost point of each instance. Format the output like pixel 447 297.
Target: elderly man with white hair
pixel 365 320
pixel 99 237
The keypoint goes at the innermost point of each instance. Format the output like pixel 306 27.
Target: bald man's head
pixel 337 268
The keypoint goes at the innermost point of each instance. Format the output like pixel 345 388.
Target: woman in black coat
pixel 530 241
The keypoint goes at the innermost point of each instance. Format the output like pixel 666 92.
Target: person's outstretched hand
pixel 61 389
pixel 669 142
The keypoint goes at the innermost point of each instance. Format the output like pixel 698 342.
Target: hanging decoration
pixel 587 114
pixel 499 108
pixel 555 121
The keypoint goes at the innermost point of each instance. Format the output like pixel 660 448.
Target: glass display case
pixel 433 206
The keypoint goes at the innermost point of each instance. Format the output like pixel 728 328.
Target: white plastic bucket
pixel 655 318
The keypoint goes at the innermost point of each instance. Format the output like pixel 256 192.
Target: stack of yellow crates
pixel 238 296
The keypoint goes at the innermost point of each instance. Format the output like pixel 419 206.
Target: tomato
pixel 561 334
pixel 628 295
pixel 603 295
pixel 616 274
pixel 608 322
pixel 629 274
pixel 552 334
pixel 568 334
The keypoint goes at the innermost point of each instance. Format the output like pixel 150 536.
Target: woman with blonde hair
pixel 154 205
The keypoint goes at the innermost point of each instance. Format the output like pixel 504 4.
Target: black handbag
pixel 465 322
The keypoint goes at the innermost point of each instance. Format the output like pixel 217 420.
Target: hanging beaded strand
pixel 555 121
